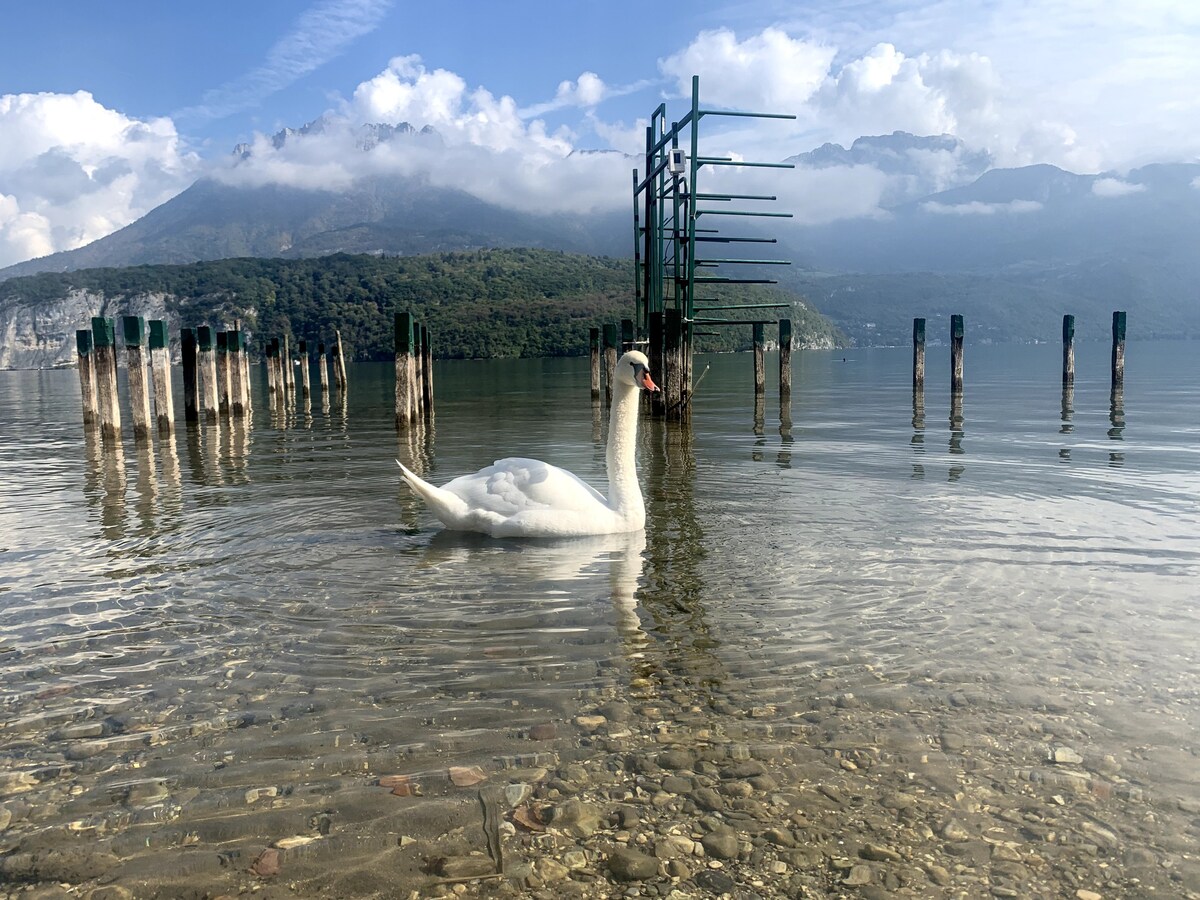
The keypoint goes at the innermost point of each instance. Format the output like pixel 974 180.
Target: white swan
pixel 527 498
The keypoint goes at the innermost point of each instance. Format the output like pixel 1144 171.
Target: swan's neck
pixel 624 493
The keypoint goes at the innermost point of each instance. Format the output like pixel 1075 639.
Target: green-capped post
pixel 918 354
pixel 104 339
pixel 160 372
pixel 134 328
pixel 957 333
pixel 785 357
pixel 224 375
pixel 759 338
pixel 1118 350
pixel 87 377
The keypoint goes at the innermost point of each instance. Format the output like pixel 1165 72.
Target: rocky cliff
pixel 42 335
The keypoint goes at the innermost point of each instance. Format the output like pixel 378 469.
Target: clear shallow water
pixel 267 607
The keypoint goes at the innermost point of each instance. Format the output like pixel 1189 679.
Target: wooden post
pixel 223 373
pixel 305 389
pixel 673 361
pixel 339 360
pixel 418 378
pixel 1118 349
pixel 1068 356
pixel 594 350
pixel 207 365
pixel 134 328
pixel 104 339
pixel 610 358
pixel 785 356
pixel 426 371
pixel 626 335
pixel 277 371
pixel 270 367
pixel 655 329
pixel 322 372
pixel 918 354
pixel 160 367
pixel 87 379
pixel 403 341
pixel 243 369
pixel 760 367
pixel 234 372
pixel 187 352
pixel 956 354
pixel 285 360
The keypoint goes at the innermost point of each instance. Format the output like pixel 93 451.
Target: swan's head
pixel 634 369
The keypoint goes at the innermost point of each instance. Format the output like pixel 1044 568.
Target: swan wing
pixel 515 485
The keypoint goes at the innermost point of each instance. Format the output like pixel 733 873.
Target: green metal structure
pixel 668 209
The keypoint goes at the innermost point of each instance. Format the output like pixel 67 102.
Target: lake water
pixel 971 641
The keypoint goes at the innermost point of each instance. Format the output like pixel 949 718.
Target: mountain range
pixel 1013 249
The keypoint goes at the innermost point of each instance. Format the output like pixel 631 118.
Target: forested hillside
pixel 477 304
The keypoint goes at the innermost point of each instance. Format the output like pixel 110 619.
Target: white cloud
pixel 322 33
pixel 766 72
pixel 72 171
pixel 483 146
pixel 1115 187
pixel 977 208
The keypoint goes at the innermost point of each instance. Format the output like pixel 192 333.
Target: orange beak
pixel 648 383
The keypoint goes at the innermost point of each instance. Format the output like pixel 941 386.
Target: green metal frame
pixel 665 215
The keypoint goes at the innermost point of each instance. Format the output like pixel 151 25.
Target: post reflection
pixel 1067 416
pixel 957 431
pixel 918 426
pixel 1116 419
pixel 784 458
pixel 759 427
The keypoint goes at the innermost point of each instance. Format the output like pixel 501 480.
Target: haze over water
pixel 998 615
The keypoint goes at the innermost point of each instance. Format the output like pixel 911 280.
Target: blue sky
pixel 107 110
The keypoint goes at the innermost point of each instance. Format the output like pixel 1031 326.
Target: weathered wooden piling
pixel 1068 367
pixel 223 373
pixel 87 378
pixel 269 365
pixel 104 340
pixel 418 370
pixel 207 366
pixel 305 388
pixel 594 350
pixel 785 357
pixel 1118 349
pixel 239 374
pixel 956 354
pixel 918 368
pixel 404 340
pixel 673 361
pixel 134 328
pixel 339 361
pixel 187 353
pixel 322 371
pixel 627 335
pixel 426 372
pixel 655 328
pixel 285 361
pixel 276 368
pixel 760 366
pixel 160 368
pixel 610 358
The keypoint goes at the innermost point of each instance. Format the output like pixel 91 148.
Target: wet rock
pixel 551 871
pixel 858 876
pixel 781 837
pixel 746 769
pixel 6 817
pixel 627 864
pixel 467 776
pixel 1065 756
pixel 616 711
pixel 675 759
pixel 707 798
pixel 110 892
pixel 722 843
pixel 676 784
pixel 715 881
pixel 268 864
pixel 574 817
pixel 544 732
pixel 953 831
pixel 465 866
pixel 877 853
pixel 591 723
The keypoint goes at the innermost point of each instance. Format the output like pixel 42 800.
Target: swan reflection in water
pixel 582 569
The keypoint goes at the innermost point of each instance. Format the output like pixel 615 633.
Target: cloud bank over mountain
pixel 73 170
